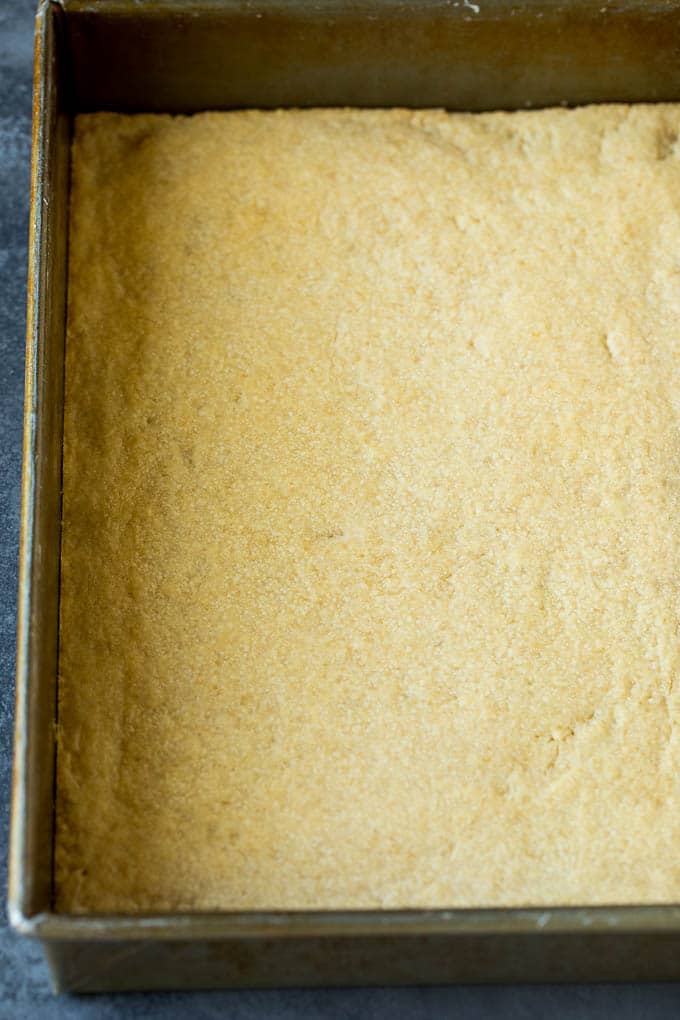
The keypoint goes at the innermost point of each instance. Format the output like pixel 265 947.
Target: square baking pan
pixel 188 56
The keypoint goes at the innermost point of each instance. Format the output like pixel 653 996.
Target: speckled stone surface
pixel 24 985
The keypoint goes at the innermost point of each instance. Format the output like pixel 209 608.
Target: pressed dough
pixel 371 538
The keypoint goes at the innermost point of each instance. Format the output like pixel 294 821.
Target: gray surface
pixel 24 988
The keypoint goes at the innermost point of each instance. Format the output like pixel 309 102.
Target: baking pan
pixel 181 57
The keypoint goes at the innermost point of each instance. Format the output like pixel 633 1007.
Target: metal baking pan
pixel 186 56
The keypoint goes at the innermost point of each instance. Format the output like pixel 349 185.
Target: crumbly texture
pixel 371 547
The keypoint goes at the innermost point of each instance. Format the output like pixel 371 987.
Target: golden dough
pixel 371 547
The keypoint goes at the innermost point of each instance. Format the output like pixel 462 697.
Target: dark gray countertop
pixel 24 987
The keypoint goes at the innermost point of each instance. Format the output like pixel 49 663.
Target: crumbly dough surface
pixel 371 548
